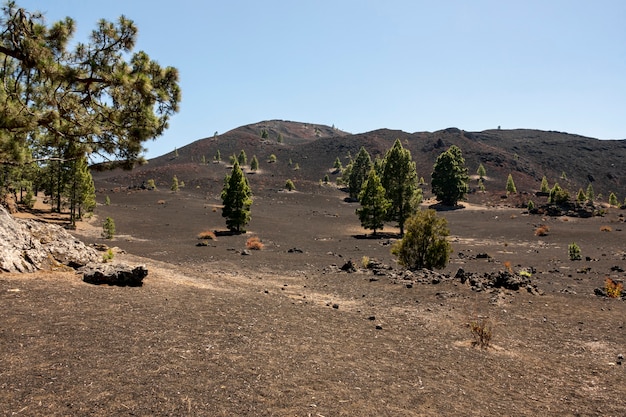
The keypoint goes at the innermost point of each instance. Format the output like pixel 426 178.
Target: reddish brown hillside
pixel 307 153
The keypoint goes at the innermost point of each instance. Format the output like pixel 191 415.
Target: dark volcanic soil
pixel 214 332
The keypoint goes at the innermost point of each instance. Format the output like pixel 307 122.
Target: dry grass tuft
pixel 613 289
pixel 207 234
pixel 606 228
pixel 254 243
pixel 542 230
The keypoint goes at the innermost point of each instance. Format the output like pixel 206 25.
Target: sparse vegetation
pixel 613 200
pixel 242 158
pixel 272 159
pixel 107 200
pixel 530 206
pixel 606 228
pixel 590 193
pixel 424 244
pixel 558 195
pixel 573 251
pixel 365 261
pixel 175 185
pixel 108 255
pixel 542 230
pixel 151 184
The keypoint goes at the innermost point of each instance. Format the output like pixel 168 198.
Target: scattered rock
pixel 349 266
pixel 120 274
pixel 295 250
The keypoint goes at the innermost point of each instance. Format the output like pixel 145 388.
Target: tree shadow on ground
pixel 443 207
pixel 378 235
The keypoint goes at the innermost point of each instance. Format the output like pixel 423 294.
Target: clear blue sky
pixel 413 65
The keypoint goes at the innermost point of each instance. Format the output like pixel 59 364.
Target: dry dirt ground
pixel 283 332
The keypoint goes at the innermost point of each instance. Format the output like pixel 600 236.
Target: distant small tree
pixel 107 200
pixel 218 156
pixel 289 185
pixel 176 152
pixel 558 195
pixel 232 159
pixel 264 134
pixel 613 200
pixel 590 193
pixel 481 185
pixel 151 185
pixel 531 205
pixel 254 164
pixel 581 197
pixel 242 158
pixel 563 176
pixel 280 138
pixel 203 160
pixel 545 188
pixel 424 244
pixel 272 159
pixel 175 185
pixel 337 165
pixel 374 204
pixel 510 185
pixel 237 199
pixel 481 171
pixel 326 179
pixel 108 228
pixel 296 167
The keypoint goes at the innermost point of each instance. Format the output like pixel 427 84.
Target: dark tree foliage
pixel 449 177
pixel 359 172
pixel 63 100
pixel 237 199
pixel 399 179
pixel 374 204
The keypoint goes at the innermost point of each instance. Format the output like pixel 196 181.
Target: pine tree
pixel 613 199
pixel 449 177
pixel 581 197
pixel 254 164
pixel 218 156
pixel 481 171
pixel 289 185
pixel 374 204
pixel 175 186
pixel 510 185
pixel 545 188
pixel 590 193
pixel 242 158
pixel 359 172
pixel 237 199
pixel 337 165
pixel 399 179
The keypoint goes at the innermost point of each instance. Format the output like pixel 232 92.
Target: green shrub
pixel 574 252
pixel 289 185
pixel 107 200
pixel 424 244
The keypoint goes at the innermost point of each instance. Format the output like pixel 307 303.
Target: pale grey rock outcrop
pixel 30 245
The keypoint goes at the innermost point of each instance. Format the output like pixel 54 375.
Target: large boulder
pixel 121 274
pixel 30 245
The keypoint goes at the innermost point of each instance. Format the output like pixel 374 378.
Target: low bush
pixel 254 243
